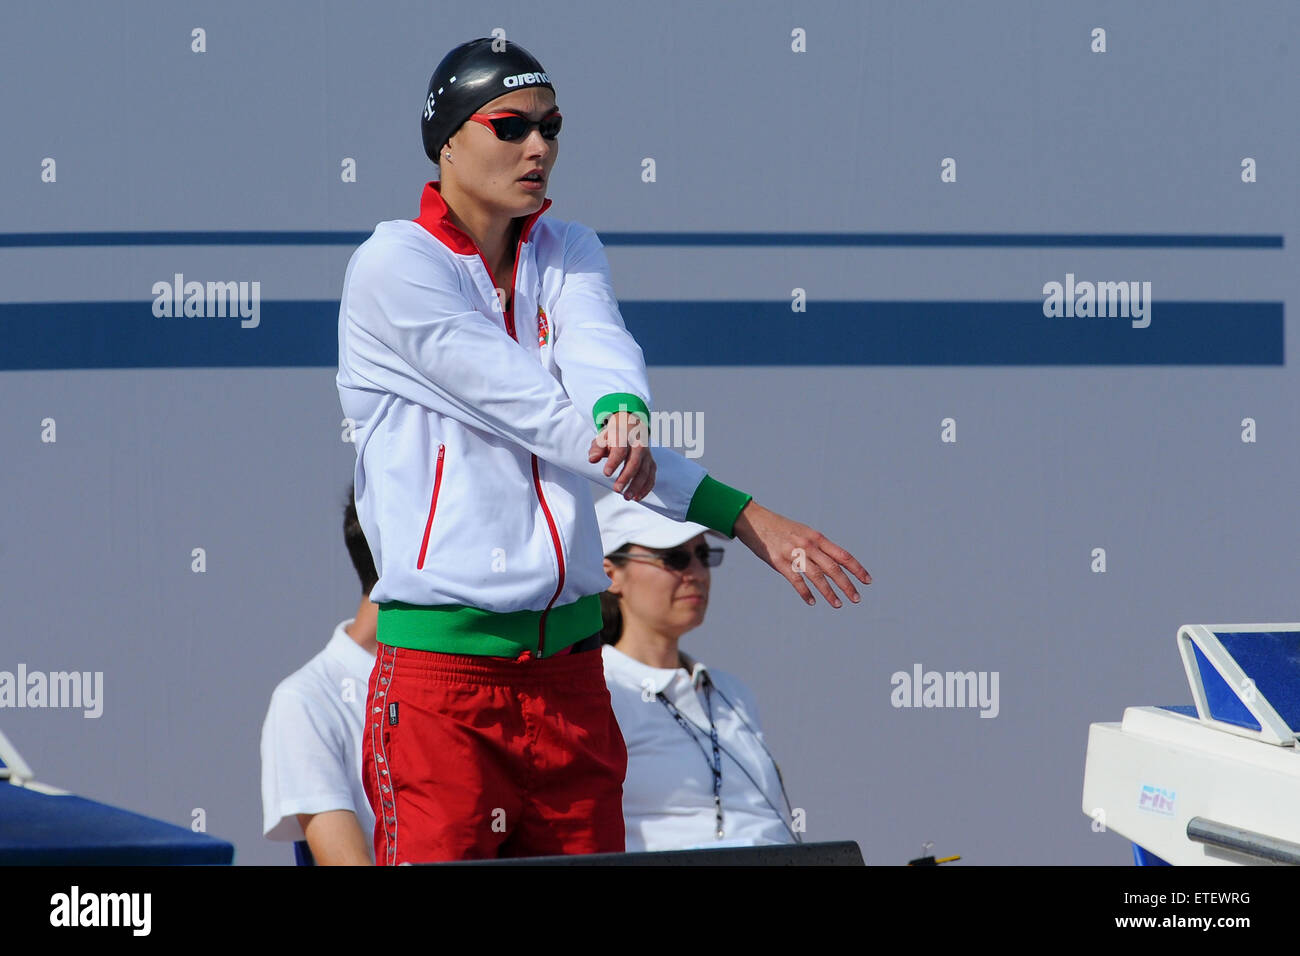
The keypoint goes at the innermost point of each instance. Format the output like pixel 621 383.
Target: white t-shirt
pixel 668 792
pixel 311 741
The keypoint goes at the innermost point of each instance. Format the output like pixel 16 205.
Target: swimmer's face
pixel 491 169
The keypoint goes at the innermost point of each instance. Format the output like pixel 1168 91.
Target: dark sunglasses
pixel 677 559
pixel 512 127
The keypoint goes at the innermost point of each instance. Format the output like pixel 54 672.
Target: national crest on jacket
pixel 543 328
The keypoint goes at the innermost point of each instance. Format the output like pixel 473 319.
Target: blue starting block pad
pixel 59 829
pixel 1218 781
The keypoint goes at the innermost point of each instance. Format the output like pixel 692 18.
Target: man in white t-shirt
pixel 311 740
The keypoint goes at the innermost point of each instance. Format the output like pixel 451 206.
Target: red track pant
pixel 468 757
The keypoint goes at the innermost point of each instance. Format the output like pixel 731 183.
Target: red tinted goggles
pixel 511 127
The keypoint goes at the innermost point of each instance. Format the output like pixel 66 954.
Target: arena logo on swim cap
pixel 525 79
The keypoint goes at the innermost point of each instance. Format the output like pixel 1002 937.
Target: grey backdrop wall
pixel 1072 433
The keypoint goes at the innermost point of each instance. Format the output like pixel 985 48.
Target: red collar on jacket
pixel 433 217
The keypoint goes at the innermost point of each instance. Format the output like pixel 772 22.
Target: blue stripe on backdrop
pixel 304 334
pixel 42 240
pixel 1045 240
pixel 1007 240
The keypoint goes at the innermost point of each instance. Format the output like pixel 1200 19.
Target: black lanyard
pixel 715 764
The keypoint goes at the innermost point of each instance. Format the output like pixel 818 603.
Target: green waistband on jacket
pixel 458 629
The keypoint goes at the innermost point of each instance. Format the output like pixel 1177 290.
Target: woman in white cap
pixel 699 773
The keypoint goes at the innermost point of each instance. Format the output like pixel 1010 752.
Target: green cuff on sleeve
pixel 620 402
pixel 717 506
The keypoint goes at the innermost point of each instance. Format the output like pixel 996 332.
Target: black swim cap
pixel 469 76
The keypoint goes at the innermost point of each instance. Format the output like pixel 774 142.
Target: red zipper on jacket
pixel 537 478
pixel 434 219
pixel 433 506
pixel 559 557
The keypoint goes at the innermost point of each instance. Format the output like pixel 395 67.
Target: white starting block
pixel 1218 782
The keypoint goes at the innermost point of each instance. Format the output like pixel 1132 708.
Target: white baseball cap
pixel 625 522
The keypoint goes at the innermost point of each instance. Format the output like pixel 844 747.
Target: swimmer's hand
pixel 794 550
pixel 625 441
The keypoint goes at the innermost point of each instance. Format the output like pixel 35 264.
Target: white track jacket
pixel 472 425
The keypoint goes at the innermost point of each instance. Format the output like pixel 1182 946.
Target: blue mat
pixel 41 829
